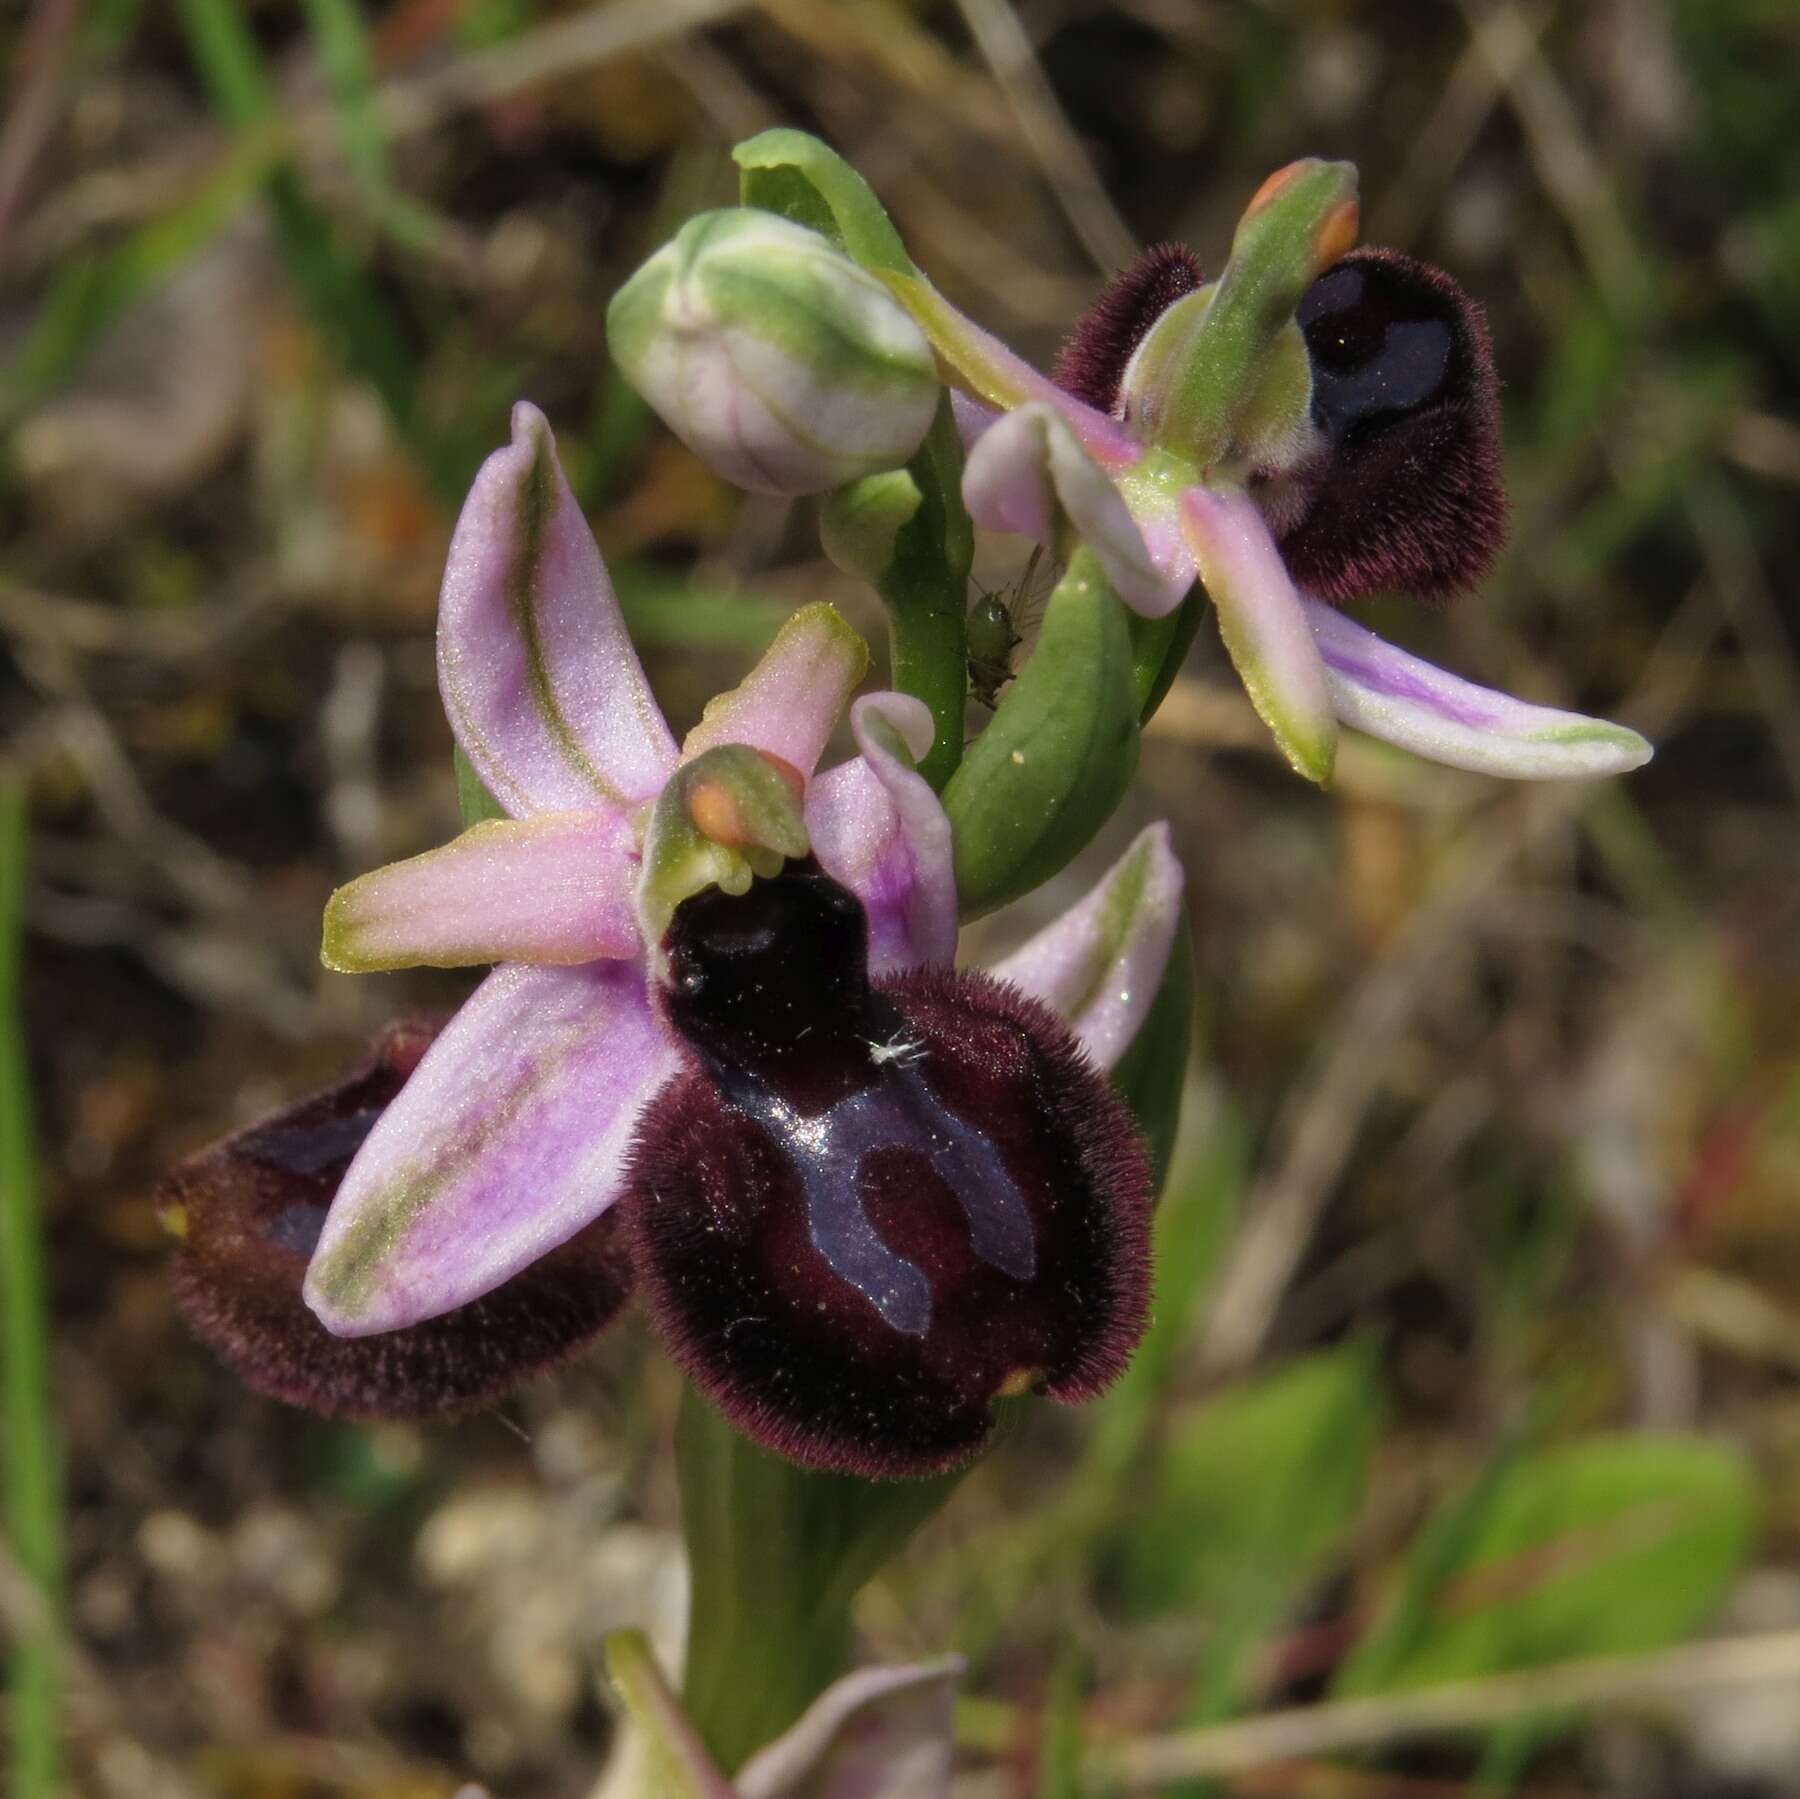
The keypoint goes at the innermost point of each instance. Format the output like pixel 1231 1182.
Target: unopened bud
pixel 772 356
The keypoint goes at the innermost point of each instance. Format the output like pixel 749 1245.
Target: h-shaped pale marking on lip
pixel 830 1149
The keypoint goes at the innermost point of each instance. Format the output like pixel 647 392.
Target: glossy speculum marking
pixel 1410 495
pixel 867 1208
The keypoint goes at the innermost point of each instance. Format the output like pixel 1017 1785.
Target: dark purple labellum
pixel 866 1210
pixel 1409 494
pixel 251 1209
pixel 1091 363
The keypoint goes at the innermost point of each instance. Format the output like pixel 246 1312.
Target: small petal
pixel 1264 628
pixel 972 418
pixel 539 679
pixel 249 1210
pixel 1099 965
pixel 881 1733
pixel 789 704
pixel 1004 379
pixel 1381 689
pixel 553 888
pixel 511 1136
pixel 877 827
pixel 1029 469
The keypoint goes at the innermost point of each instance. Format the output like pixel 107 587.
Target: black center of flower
pixel 772 991
pixel 868 1207
pixel 1382 344
pixel 1407 494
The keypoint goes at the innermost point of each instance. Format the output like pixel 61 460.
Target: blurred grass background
pixel 1479 1341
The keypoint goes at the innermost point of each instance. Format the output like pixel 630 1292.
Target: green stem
pixel 32 1485
pixel 926 592
pixel 776 1555
pixel 1059 752
pixel 1159 646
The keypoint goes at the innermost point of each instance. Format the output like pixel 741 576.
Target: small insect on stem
pixel 997 624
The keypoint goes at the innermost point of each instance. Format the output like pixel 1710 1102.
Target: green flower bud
pixel 772 356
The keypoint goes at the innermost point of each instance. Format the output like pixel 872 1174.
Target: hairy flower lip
pixel 862 1210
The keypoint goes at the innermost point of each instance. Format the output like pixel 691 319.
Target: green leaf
pixel 472 796
pixel 776 1553
pixel 679 1765
pixel 1058 754
pixel 1614 1545
pixel 1159 647
pixel 926 593
pixel 1151 1073
pixel 796 175
pixel 1195 1223
pixel 1257 1492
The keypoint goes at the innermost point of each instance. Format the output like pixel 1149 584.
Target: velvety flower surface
pixel 867 1208
pixel 583 1070
pixel 1288 467
pixel 249 1212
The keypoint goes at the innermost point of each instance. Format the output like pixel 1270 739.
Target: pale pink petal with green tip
pixel 512 1134
pixel 1098 966
pixel 877 827
pixel 553 888
pixel 789 704
pixel 1001 377
pixel 664 1758
pixel 881 1733
pixel 1263 624
pixel 1029 472
pixel 541 685
pixel 1404 700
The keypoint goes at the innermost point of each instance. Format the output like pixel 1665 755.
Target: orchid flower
pixel 723 1049
pixel 1318 424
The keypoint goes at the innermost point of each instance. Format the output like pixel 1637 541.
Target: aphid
pixel 900 1049
pixel 997 624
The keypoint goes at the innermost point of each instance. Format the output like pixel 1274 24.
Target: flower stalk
pixel 726 1063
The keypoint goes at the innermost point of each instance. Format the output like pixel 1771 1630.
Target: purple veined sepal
pixel 540 682
pixel 1383 690
pixel 867 1209
pixel 248 1212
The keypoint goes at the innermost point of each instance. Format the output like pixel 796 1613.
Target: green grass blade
pixel 32 1484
